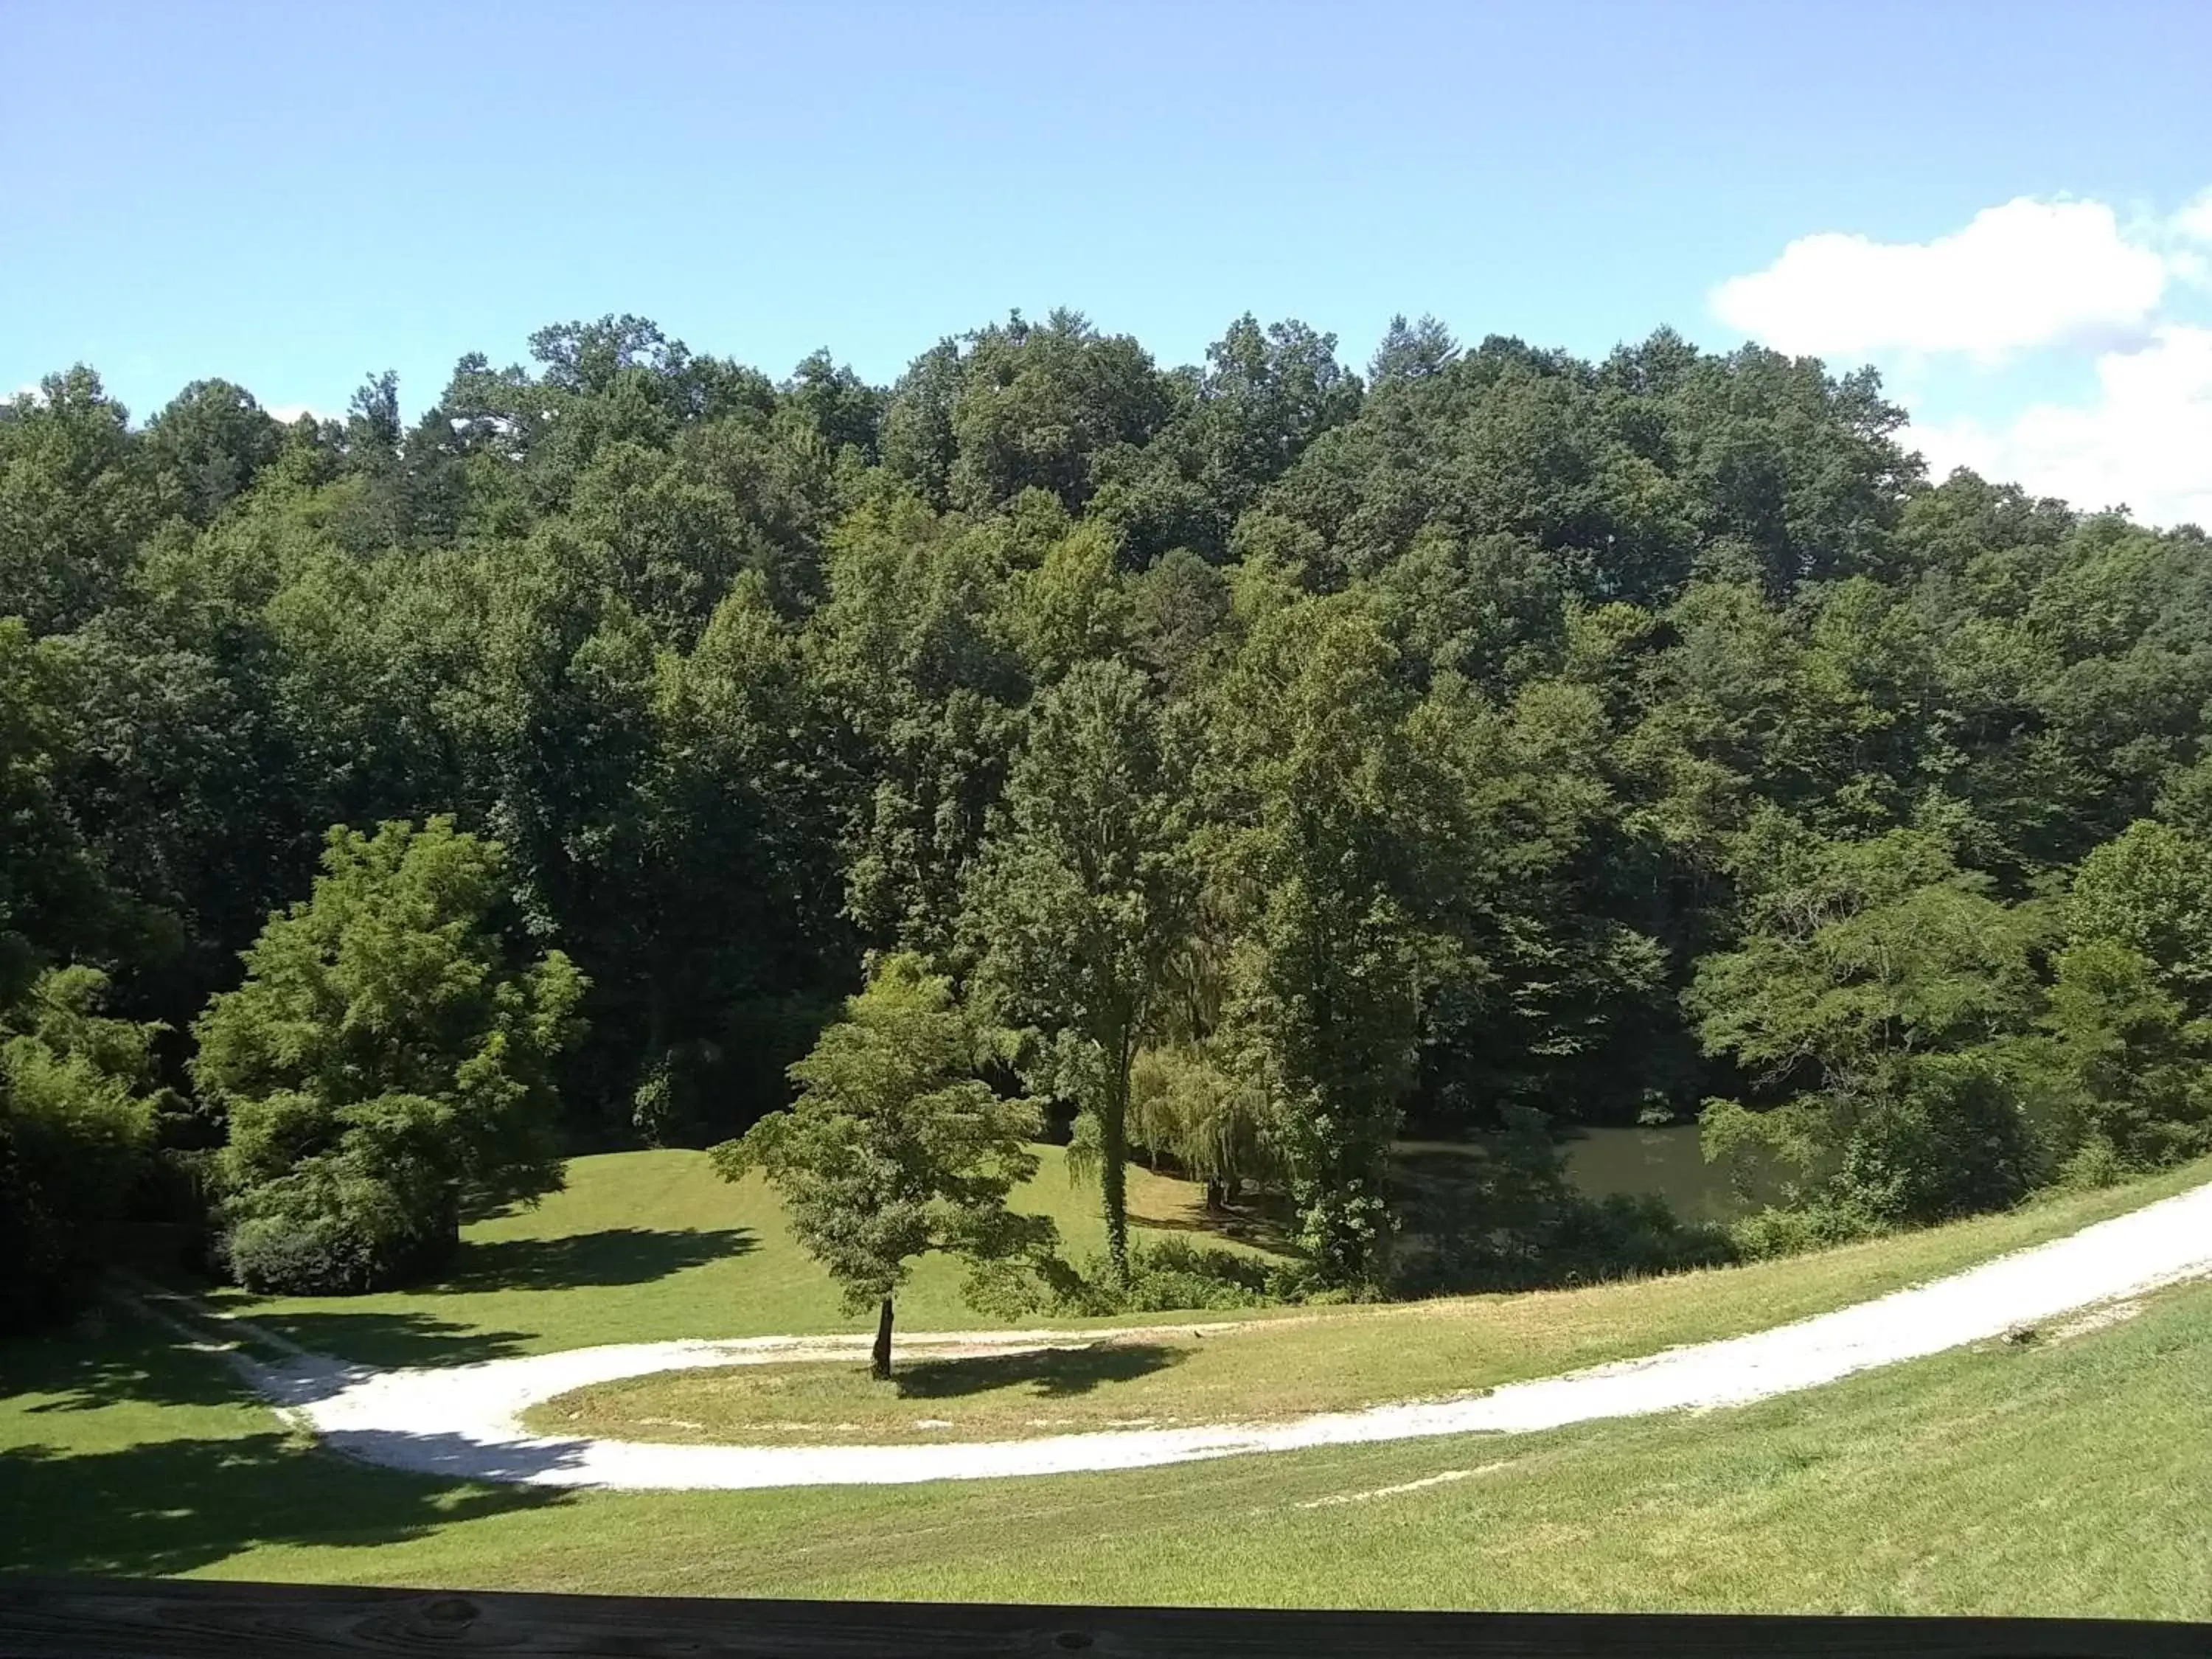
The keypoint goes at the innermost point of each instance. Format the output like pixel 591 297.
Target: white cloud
pixel 2026 273
pixel 2195 221
pixel 288 413
pixel 2145 440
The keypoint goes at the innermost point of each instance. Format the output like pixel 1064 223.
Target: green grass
pixel 1289 1365
pixel 2070 1476
pixel 2067 1476
pixel 651 1246
pixel 644 1247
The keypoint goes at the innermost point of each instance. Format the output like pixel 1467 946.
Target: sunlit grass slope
pixel 646 1246
pixel 642 1247
pixel 2068 1475
pixel 1322 1360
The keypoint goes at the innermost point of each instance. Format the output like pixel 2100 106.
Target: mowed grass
pixel 651 1246
pixel 645 1247
pixel 2066 1476
pixel 1204 1370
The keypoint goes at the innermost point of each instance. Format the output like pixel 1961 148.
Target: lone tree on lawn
pixel 894 1146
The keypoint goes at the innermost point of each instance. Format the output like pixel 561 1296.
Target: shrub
pixel 1168 1277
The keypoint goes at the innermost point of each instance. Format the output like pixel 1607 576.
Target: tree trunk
pixel 879 1364
pixel 1114 1170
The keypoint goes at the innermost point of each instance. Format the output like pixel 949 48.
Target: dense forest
pixel 1264 760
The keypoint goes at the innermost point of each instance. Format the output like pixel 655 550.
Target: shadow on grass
pixel 115 1481
pixel 1049 1374
pixel 106 1358
pixel 1245 1223
pixel 167 1506
pixel 617 1255
pixel 390 1339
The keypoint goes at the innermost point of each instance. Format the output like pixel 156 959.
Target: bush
pixel 1951 1141
pixel 339 1226
pixel 1168 1277
pixel 1777 1232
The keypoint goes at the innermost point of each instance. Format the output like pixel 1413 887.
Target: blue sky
pixel 293 196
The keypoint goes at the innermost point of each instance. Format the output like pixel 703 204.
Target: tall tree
pixel 1328 801
pixel 1080 901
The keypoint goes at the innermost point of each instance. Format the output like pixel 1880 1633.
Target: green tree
pixel 1080 903
pixel 908 657
pixel 1873 990
pixel 2131 1073
pixel 1186 1103
pixel 2150 890
pixel 211 441
pixel 894 1146
pixel 77 498
pixel 385 1067
pixel 77 1109
pixel 1328 799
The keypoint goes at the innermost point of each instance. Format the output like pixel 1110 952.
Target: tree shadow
pixel 107 1358
pixel 168 1506
pixel 1245 1223
pixel 616 1255
pixel 1049 1373
pixel 390 1338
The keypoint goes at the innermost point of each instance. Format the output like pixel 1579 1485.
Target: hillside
pixel 1907 1490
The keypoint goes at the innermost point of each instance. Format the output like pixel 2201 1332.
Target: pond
pixel 1666 1161
pixel 1600 1162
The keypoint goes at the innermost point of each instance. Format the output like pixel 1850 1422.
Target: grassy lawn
pixel 642 1247
pixel 651 1246
pixel 1286 1366
pixel 2068 1476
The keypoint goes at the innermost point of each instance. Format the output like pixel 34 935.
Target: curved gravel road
pixel 464 1420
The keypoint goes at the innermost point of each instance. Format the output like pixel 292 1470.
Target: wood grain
pixel 120 1618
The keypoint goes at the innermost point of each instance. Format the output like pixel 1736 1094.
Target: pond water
pixel 1600 1162
pixel 1666 1161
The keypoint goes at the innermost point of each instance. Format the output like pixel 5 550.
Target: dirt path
pixel 463 1421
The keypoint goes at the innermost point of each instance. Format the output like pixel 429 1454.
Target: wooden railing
pixel 127 1619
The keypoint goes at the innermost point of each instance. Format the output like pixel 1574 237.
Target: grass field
pixel 2065 1477
pixel 2072 1475
pixel 1292 1363
pixel 643 1246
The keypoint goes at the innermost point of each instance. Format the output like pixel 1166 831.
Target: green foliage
pixel 1186 1105
pixel 54 898
pixel 1510 731
pixel 1159 1278
pixel 894 1146
pixel 78 1117
pixel 1329 803
pixel 2150 891
pixel 385 1067
pixel 1875 978
pixel 77 498
pixel 1080 901
pixel 2126 1068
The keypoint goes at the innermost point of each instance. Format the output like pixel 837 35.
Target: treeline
pixel 1285 755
